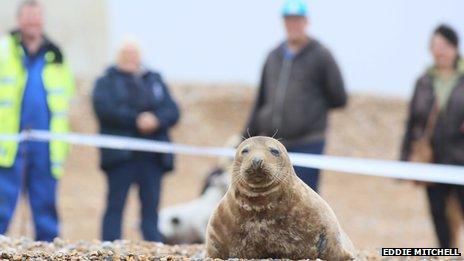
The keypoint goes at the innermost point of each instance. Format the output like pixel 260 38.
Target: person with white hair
pixel 131 100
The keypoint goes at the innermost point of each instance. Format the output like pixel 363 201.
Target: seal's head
pixel 261 162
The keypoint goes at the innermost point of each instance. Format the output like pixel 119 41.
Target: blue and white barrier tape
pixel 380 168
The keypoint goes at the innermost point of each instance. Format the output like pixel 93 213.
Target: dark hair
pixel 448 33
pixel 451 37
pixel 25 3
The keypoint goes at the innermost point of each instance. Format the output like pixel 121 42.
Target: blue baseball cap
pixel 295 8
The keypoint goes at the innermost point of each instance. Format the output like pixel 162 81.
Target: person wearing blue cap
pixel 295 8
pixel 300 83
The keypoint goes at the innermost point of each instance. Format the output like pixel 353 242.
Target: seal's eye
pixel 245 151
pixel 275 152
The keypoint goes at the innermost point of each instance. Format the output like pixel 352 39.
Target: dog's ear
pixel 175 221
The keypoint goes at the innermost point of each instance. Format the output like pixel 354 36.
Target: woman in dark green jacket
pixel 440 89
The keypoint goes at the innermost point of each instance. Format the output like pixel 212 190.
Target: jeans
pixel 309 176
pixel 32 175
pixel 144 172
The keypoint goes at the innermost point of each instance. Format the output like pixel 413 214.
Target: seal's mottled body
pixel 268 212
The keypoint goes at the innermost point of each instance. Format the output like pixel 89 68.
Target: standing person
pixel 440 91
pixel 35 91
pixel 300 83
pixel 131 101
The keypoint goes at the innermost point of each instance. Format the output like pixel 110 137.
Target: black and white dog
pixel 186 223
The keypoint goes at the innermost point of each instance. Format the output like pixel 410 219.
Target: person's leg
pixel 119 180
pixel 454 214
pixel 10 180
pixel 459 190
pixel 42 190
pixel 310 176
pixel 437 196
pixel 149 181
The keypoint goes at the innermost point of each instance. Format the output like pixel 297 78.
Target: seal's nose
pixel 256 162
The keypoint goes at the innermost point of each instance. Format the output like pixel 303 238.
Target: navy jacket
pixel 119 97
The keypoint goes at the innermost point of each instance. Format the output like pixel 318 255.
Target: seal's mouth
pixel 256 175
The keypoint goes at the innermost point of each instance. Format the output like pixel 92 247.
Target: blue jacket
pixel 119 97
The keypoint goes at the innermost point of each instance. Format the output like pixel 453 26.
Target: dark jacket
pixel 295 95
pixel 448 137
pixel 118 98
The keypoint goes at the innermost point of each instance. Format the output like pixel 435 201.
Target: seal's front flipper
pixel 348 248
pixel 214 247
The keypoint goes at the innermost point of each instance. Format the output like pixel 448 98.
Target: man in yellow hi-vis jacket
pixel 35 90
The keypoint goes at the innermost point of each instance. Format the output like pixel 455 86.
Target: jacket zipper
pixel 279 99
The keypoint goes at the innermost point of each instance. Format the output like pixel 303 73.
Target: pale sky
pixel 381 46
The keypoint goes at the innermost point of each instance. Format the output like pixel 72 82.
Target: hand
pixel 147 123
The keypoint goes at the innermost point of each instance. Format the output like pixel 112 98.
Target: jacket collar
pixel 53 54
pixel 312 43
pixel 114 70
pixel 432 71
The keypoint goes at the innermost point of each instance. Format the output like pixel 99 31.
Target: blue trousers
pixel 147 175
pixel 31 174
pixel 309 176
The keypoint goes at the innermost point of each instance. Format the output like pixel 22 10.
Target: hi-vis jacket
pixel 59 85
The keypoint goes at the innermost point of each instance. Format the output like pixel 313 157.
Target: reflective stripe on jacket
pixel 59 85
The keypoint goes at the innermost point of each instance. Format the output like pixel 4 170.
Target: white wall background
pixel 78 26
pixel 381 45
